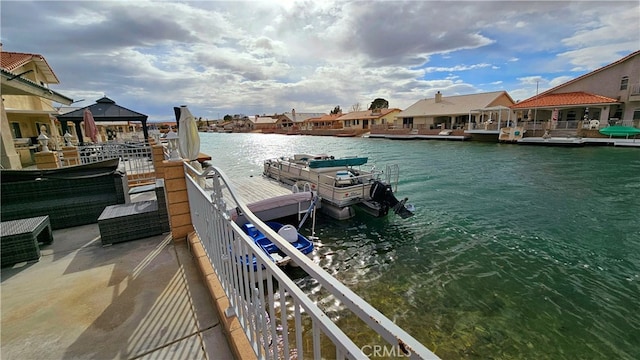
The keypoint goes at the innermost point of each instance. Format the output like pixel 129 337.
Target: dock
pixel 269 199
pixel 420 137
pixel 256 188
pixel 576 141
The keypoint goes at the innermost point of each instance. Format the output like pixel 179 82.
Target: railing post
pixel 177 199
pixel 157 152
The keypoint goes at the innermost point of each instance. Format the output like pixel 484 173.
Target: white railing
pixel 270 307
pixel 137 158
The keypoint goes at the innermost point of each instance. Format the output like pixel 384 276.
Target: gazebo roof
pixel 104 109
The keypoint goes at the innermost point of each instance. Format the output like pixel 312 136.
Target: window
pixel 15 129
pixel 636 114
pixel 624 83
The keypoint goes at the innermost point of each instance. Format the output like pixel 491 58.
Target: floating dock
pixel 577 141
pixel 420 137
pixel 269 200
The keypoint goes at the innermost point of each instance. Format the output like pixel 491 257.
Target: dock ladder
pixel 392 175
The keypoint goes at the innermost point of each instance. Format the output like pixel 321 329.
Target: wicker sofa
pixel 71 196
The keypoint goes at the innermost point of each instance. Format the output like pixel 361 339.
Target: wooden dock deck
pixel 256 188
pixel 267 198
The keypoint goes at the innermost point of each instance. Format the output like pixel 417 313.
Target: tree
pixel 356 107
pixel 228 117
pixel 336 110
pixel 379 103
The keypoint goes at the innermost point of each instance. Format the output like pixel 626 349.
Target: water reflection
pixel 514 252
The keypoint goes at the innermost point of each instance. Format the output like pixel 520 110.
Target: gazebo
pixel 104 109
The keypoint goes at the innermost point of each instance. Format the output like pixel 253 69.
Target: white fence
pixel 136 156
pixel 270 307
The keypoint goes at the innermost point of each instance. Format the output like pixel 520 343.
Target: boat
pixel 288 232
pixel 341 183
pixel 620 131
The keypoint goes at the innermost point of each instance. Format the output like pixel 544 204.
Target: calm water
pixel 514 252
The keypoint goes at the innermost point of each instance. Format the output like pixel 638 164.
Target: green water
pixel 514 252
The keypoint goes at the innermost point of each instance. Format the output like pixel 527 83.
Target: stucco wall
pixel 607 83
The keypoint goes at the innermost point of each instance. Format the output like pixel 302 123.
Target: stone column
pixel 9 156
pixel 177 200
pixel 604 116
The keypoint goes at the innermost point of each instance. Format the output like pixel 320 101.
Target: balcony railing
pixel 136 157
pixel 272 311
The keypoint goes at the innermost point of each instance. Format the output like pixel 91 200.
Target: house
pixel 324 122
pixel 608 95
pixel 263 122
pixel 364 120
pixel 456 112
pixel 293 120
pixel 27 107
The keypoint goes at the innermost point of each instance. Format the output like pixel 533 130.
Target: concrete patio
pixel 141 299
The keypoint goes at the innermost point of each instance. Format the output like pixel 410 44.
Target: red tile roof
pixel 563 99
pixel 13 60
pixel 326 117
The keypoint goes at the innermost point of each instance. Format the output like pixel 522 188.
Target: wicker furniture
pixel 137 220
pixel 19 239
pixel 70 196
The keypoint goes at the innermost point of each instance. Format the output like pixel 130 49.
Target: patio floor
pixel 135 300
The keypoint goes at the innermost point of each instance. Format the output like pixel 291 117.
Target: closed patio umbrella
pixel 188 137
pixel 189 140
pixel 90 128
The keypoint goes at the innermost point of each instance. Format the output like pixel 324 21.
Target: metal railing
pixel 136 156
pixel 270 307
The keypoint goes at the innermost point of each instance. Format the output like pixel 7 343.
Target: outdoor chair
pixel 135 220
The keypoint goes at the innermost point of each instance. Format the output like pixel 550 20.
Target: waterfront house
pixel 263 123
pixel 364 120
pixel 457 117
pixel 27 107
pixel 291 122
pixel 324 122
pixel 606 96
pixel 456 112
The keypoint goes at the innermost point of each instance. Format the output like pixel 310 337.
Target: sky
pixel 267 57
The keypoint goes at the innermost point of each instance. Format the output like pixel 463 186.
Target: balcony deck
pixel 138 299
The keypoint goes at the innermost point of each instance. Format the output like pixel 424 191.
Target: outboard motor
pixel 382 193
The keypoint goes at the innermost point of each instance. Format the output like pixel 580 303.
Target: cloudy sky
pixel 254 57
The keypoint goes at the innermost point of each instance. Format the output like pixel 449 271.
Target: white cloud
pixel 456 68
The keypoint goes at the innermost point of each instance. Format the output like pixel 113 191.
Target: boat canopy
pixel 619 131
pixel 352 161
